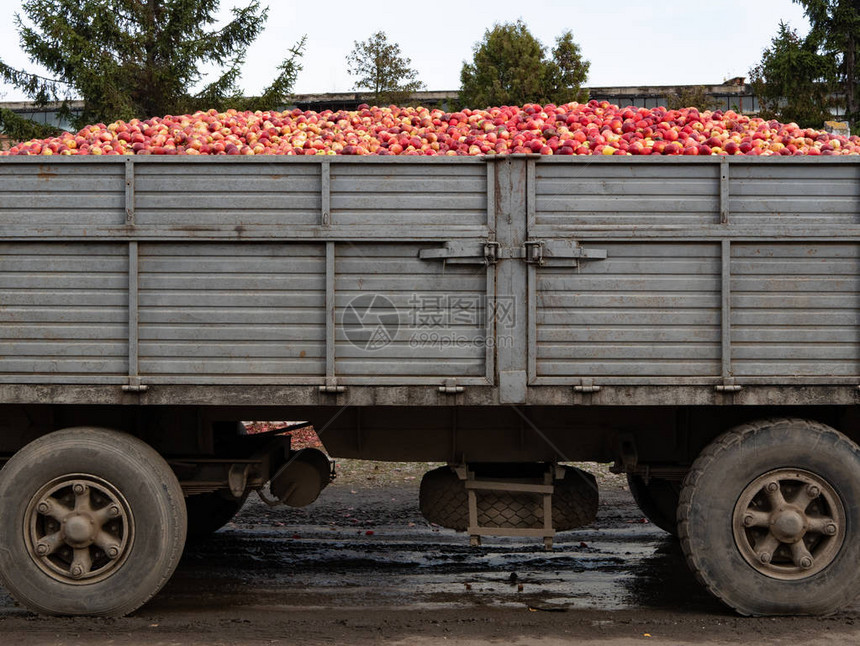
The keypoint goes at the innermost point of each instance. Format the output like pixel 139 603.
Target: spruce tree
pixel 129 59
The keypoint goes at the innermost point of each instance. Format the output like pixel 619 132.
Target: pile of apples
pixel 595 128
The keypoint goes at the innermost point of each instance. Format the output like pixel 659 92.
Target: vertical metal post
pixel 511 280
pixel 490 329
pixel 726 317
pixel 330 376
pixel 134 384
pixel 724 190
pixel 325 190
pixel 129 192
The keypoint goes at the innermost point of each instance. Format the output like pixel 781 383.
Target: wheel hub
pixel 79 529
pixel 789 524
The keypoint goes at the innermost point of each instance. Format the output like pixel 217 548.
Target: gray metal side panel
pixel 398 195
pixel 199 194
pixel 223 311
pixel 795 310
pixel 717 269
pixel 627 194
pixel 810 194
pixel 88 194
pixel 63 312
pixel 649 309
pixel 439 309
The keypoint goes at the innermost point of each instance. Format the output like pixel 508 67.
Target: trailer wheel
pixel 209 512
pixel 768 518
pixel 657 500
pixel 93 523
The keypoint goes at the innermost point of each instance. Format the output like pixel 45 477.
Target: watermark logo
pixel 370 321
pixel 436 320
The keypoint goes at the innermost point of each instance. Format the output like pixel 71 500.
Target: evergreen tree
pixel 383 70
pixel 140 58
pixel 836 27
pixel 794 81
pixel 510 67
pixel 570 71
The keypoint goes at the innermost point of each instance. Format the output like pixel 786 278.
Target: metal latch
pixel 451 387
pixel 565 253
pixel 463 252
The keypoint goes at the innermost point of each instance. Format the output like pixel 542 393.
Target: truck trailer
pixel 694 321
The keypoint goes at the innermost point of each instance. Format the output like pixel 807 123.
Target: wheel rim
pixel 79 529
pixel 789 524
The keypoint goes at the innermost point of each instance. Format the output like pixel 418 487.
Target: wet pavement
pixel 361 566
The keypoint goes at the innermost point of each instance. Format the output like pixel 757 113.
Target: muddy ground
pixel 360 566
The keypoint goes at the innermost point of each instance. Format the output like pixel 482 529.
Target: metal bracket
pixel 134 386
pixel 728 386
pixel 332 389
pixel 587 386
pixel 237 478
pixel 544 487
pixel 451 387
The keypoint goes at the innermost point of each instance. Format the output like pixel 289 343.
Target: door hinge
pixel 451 387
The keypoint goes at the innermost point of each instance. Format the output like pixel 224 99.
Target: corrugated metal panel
pixel 234 310
pixel 772 194
pixel 439 312
pixel 201 194
pixel 627 194
pixel 63 310
pixel 795 309
pixel 86 194
pixel 404 195
pixel 649 309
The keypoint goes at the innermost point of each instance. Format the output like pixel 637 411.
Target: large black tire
pixel 87 492
pixel 209 512
pixel 769 520
pixel 658 500
pixel 443 500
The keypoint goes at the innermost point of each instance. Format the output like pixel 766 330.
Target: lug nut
pixel 748 521
pixel 113 552
pixel 764 557
pixel 813 491
pixel 42 549
pixel 79 489
pixel 772 487
pixel 806 562
pixel 77 571
pixel 113 510
pixel 43 507
pixel 830 529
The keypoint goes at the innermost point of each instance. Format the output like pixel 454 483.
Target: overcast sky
pixel 649 42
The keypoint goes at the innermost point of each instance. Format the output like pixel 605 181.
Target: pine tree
pixel 140 58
